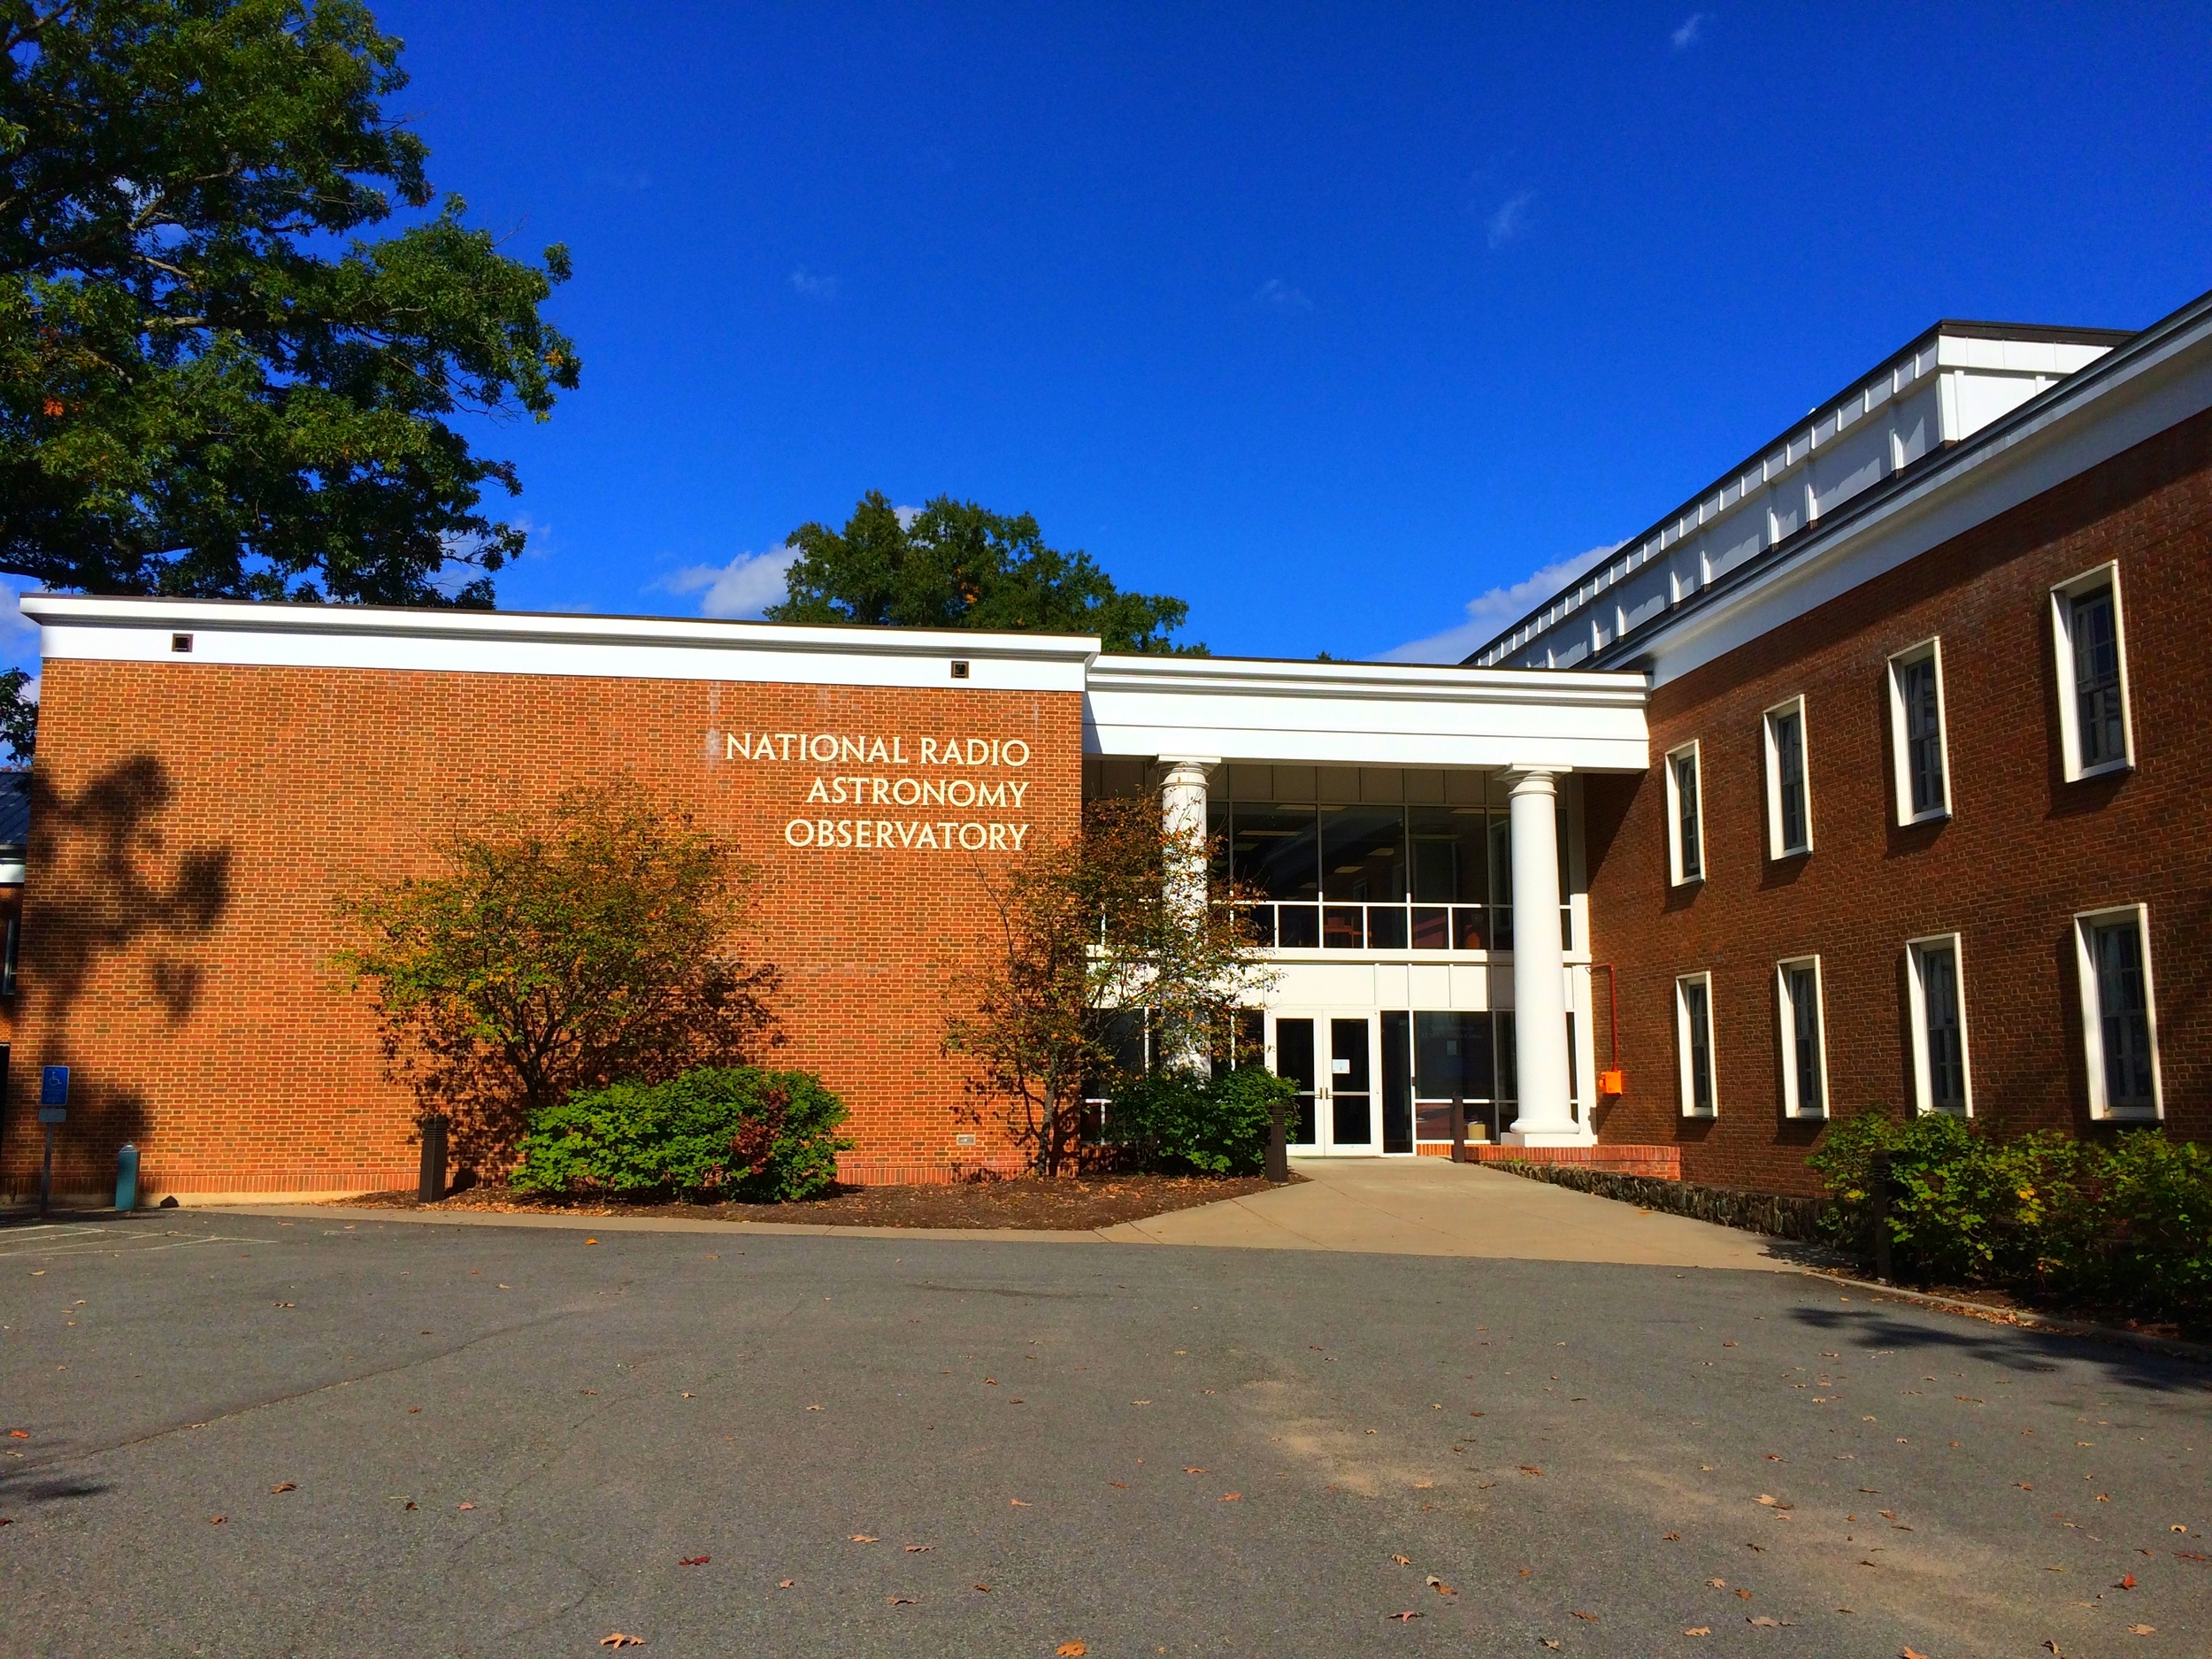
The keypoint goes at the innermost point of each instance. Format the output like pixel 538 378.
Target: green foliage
pixel 1183 1122
pixel 1112 923
pixel 18 715
pixel 209 384
pixel 2124 1224
pixel 722 1131
pixel 956 566
pixel 558 955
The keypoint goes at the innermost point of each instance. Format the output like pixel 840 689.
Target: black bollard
pixel 431 1187
pixel 1278 1147
pixel 1878 1184
pixel 1459 1129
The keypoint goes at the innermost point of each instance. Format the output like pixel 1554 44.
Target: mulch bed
pixel 1069 1203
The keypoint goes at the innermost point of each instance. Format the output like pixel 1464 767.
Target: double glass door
pixel 1330 1057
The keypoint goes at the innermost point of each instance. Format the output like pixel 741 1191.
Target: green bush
pixel 1177 1122
pixel 2123 1224
pixel 721 1132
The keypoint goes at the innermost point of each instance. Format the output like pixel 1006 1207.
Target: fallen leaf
pixel 984 1587
pixel 1474 1414
pixel 785 1584
pixel 862 1538
pixel 2127 1583
pixel 2176 1528
pixel 284 1485
pixel 1070 1650
pixel 1140 1402
pixel 1671 1537
pixel 1402 1618
pixel 1531 1469
pixel 411 1503
pixel 2143 1630
pixel 1232 1497
pixel 468 1506
pixel 1743 1595
pixel 1017 1503
pixel 900 1601
pixel 919 1549
pixel 1439 1586
pixel 693 1561
pixel 618 1640
pixel 19 1434
pixel 1403 1561
pixel 1425 1485
pixel 1578 1613
pixel 1716 1583
pixel 216 1520
pixel 1699 1630
pixel 1194 1469
pixel 1120 1485
pixel 1547 1641
pixel 814 1408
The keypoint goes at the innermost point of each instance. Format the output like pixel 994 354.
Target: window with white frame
pixel 1686 816
pixel 1916 735
pixel 1694 1043
pixel 1940 1083
pixel 2119 1013
pixel 1804 1037
pixel 2087 629
pixel 1789 793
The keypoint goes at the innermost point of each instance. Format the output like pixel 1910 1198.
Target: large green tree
pixel 209 384
pixel 955 565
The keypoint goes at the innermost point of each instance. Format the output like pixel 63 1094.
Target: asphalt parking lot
pixel 237 1435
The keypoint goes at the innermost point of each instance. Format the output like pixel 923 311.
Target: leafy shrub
pixel 2124 1224
pixel 718 1132
pixel 1177 1122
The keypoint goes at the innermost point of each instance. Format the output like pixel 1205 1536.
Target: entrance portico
pixel 1415 833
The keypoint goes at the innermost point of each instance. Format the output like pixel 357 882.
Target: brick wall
pixel 2023 852
pixel 193 824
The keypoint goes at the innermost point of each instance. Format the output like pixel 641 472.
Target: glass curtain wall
pixel 1365 859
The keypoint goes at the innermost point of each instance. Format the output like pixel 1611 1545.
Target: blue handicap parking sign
pixel 53 1087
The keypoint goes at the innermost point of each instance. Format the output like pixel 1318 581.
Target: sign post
pixel 53 1108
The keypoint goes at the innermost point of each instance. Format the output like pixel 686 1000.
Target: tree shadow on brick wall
pixel 105 883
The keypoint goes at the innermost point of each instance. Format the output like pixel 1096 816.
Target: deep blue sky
pixel 1328 320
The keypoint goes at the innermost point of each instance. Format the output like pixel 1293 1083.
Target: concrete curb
pixel 644 1224
pixel 2172 1347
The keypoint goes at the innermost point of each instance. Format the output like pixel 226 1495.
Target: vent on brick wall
pixel 181 643
pixel 960 671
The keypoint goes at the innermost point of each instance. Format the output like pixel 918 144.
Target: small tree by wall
pixel 1088 930
pixel 588 948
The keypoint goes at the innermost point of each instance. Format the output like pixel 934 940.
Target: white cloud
pixel 1691 31
pixel 1279 293
pixel 1500 608
pixel 747 585
pixel 806 283
pixel 1510 221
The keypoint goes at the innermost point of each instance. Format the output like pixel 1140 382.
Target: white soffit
pixel 1364 713
pixel 521 642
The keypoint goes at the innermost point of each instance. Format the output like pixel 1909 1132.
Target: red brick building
pixel 1872 775
pixel 1930 728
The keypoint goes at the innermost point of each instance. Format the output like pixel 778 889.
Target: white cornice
pixel 555 644
pixel 1385 682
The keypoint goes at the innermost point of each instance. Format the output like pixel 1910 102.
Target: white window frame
pixel 1916 994
pixel 1785 1007
pixel 2092 1015
pixel 2062 597
pixel 1776 851
pixel 1682 1047
pixel 1676 875
pixel 1929 651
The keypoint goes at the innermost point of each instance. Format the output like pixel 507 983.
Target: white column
pixel 1183 815
pixel 1540 977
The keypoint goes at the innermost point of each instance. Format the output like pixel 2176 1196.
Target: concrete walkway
pixel 1431 1207
pixel 1378 1206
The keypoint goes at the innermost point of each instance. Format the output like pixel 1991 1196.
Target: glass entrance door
pixel 1351 1087
pixel 1332 1057
pixel 1293 1059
